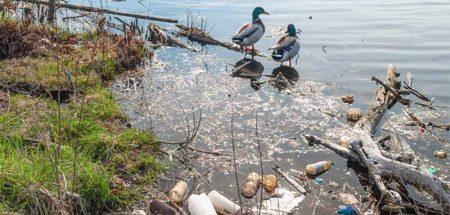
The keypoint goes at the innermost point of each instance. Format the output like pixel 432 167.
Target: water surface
pixel 360 37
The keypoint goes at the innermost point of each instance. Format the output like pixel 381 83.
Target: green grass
pixel 91 128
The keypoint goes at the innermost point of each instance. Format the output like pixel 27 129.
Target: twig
pixel 260 161
pixel 234 160
pixel 101 10
pixel 423 125
pixel 206 152
pixel 291 181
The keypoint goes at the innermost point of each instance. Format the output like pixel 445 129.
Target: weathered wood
pixel 100 10
pixel 203 37
pixel 51 11
pixel 380 103
pixel 383 165
pixel 291 181
pixel 159 36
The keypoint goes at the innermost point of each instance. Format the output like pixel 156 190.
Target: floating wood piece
pixel 291 181
pixel 100 10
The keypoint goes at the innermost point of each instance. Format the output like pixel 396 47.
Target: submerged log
pixel 383 168
pixel 100 10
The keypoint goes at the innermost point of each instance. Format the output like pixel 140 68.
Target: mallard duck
pixel 251 33
pixel 287 46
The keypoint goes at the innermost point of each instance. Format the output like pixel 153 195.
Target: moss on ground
pixel 108 164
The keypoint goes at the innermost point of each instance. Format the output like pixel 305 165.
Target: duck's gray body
pixel 287 48
pixel 249 33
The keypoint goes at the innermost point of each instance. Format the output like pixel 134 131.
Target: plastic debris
pixel 344 141
pixel 138 212
pixel 318 180
pixel 440 154
pixel 269 183
pixel 433 170
pixel 177 192
pixel 318 168
pixel 285 201
pixel 348 99
pixel 200 205
pixel 251 185
pixel 348 199
pixel 333 184
pixel 353 114
pixel 222 204
pixel 347 210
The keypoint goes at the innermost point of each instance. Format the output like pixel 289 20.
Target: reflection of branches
pixel 190 134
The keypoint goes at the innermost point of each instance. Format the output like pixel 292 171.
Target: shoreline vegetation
pixel 65 145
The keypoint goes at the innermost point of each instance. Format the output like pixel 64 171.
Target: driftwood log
pixel 159 36
pixel 100 10
pixel 382 165
pixel 203 37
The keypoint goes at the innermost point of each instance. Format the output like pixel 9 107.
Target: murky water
pixel 360 37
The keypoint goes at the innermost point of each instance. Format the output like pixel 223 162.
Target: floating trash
pixel 177 193
pixel 251 185
pixel 318 180
pixel 269 183
pixel 348 199
pixel 285 201
pixel 353 114
pixel 347 210
pixel 222 204
pixel 440 154
pixel 348 99
pixel 432 170
pixel 318 168
pixel 200 205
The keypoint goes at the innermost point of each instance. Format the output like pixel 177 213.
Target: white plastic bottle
pixel 200 205
pixel 222 204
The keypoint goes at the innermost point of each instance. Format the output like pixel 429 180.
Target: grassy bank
pixel 72 152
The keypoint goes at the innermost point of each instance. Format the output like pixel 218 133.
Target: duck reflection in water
pixel 249 69
pixel 283 77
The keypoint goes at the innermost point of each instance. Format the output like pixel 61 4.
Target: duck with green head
pixel 251 33
pixel 287 46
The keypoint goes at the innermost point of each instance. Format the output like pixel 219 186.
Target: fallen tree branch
pixel 380 163
pixel 160 37
pixel 100 10
pixel 202 37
